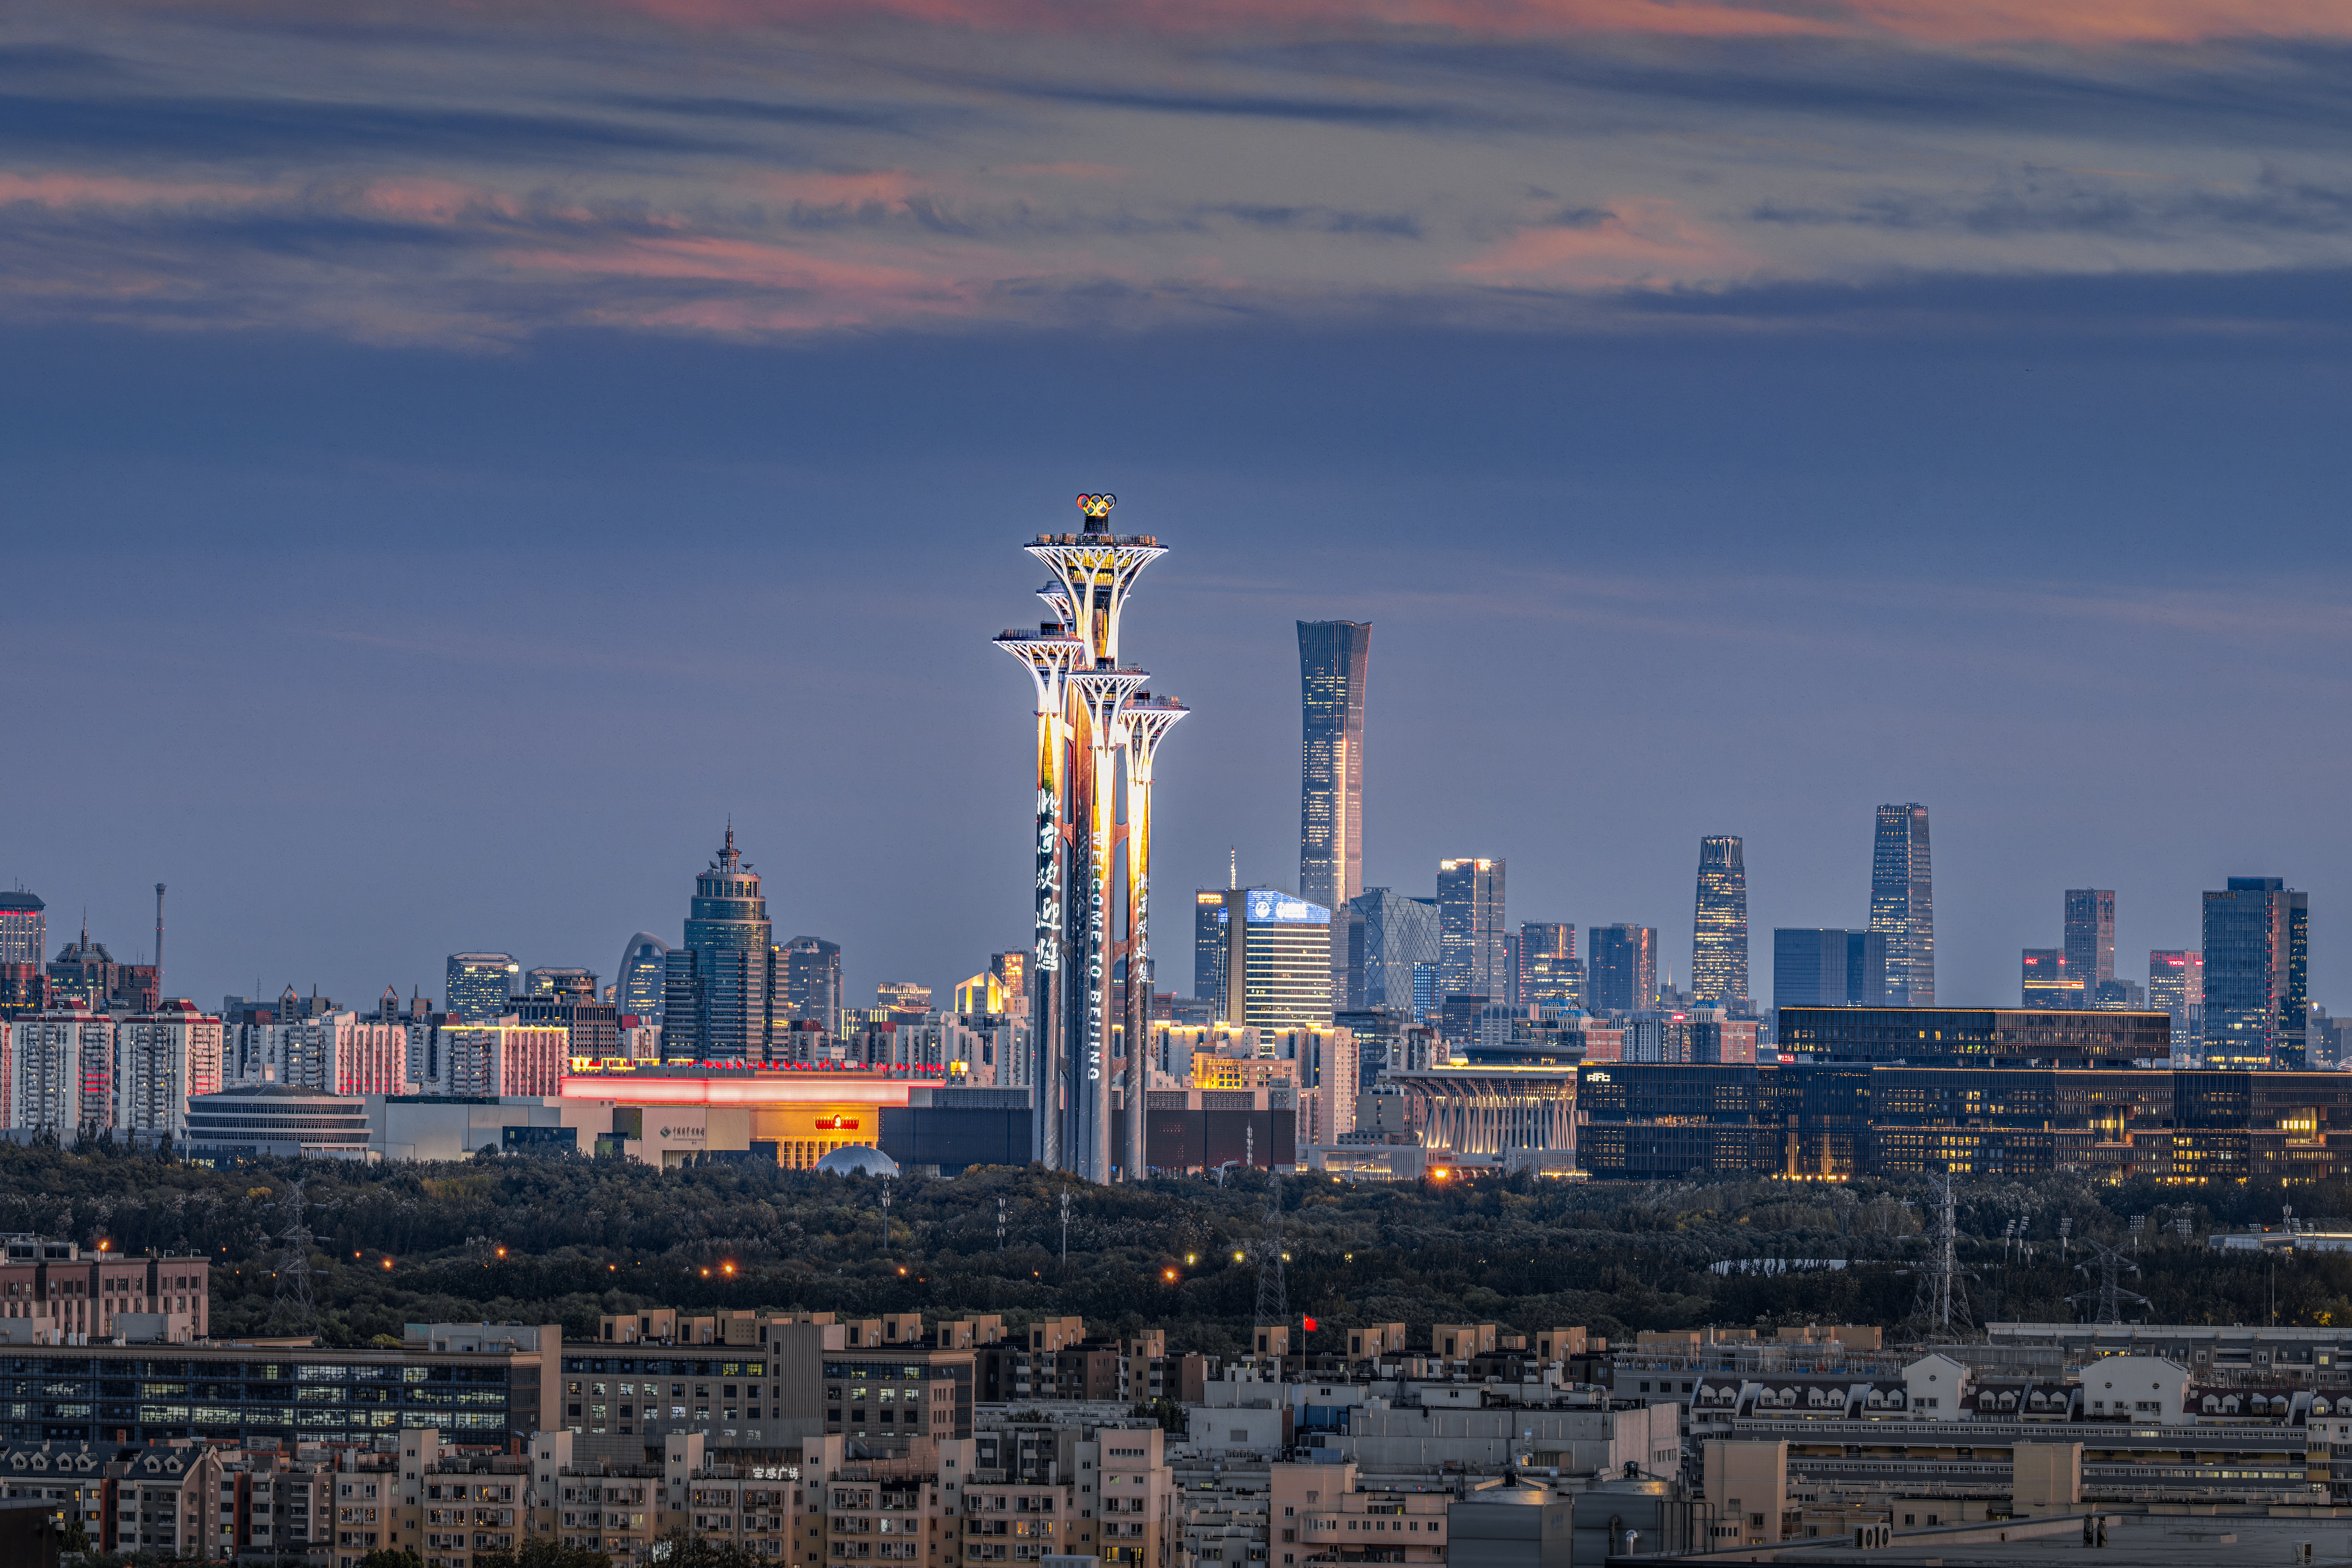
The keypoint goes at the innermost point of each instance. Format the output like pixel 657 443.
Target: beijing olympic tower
pixel 1097 731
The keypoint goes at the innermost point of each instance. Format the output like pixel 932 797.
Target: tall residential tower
pixel 1720 927
pixel 1903 904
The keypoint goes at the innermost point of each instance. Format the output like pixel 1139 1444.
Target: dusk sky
pixel 458 455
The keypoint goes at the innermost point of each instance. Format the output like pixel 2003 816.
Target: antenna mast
pixel 1272 1298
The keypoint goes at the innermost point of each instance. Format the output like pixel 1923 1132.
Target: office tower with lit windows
pixel 24 928
pixel 1212 914
pixel 2090 938
pixel 480 984
pixel 2256 975
pixel 1621 973
pixel 1720 927
pixel 2176 984
pixel 637 986
pixel 546 981
pixel 1472 959
pixel 717 993
pixel 1388 934
pixel 1012 972
pixel 1831 968
pixel 903 1000
pixel 1426 996
pixel 1903 904
pixel 1278 975
pixel 1550 974
pixel 1099 731
pixel 1333 657
pixel 811 988
pixel 2046 980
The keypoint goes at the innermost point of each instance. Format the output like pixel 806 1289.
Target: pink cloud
pixel 1643 242
pixel 114 191
pixel 1961 21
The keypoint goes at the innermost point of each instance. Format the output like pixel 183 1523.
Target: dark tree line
pixel 563 1241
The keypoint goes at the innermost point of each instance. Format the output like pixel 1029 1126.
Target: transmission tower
pixel 295 1309
pixel 999 1225
pixel 1066 1229
pixel 2109 1296
pixel 1273 1298
pixel 1942 1296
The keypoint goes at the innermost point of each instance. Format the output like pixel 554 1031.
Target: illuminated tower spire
pixel 1089 766
pixel 1149 719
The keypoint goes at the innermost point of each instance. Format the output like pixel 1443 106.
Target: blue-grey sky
pixel 458 458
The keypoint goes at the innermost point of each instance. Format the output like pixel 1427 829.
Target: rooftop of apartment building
pixel 2146 1540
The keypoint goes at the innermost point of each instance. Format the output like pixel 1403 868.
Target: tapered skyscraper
pixel 1903 904
pixel 1719 928
pixel 1332 658
pixel 1098 732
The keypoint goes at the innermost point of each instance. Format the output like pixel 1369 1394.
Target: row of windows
pixel 630 1367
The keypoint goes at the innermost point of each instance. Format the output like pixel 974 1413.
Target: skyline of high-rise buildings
pixel 1902 904
pixel 1719 973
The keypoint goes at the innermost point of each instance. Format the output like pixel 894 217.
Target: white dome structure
pixel 853 1159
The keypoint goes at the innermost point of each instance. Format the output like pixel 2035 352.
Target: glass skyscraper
pixel 1903 904
pixel 637 987
pixel 2047 978
pixel 1333 656
pixel 1550 974
pixel 2176 983
pixel 1812 968
pixel 2256 975
pixel 1212 910
pixel 812 981
pixel 2090 938
pixel 1472 958
pixel 1720 927
pixel 480 984
pixel 717 989
pixel 1622 975
pixel 1388 934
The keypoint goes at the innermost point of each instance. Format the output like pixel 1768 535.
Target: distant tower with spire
pixel 718 986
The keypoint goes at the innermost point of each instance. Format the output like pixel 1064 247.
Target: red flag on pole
pixel 1310 1324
